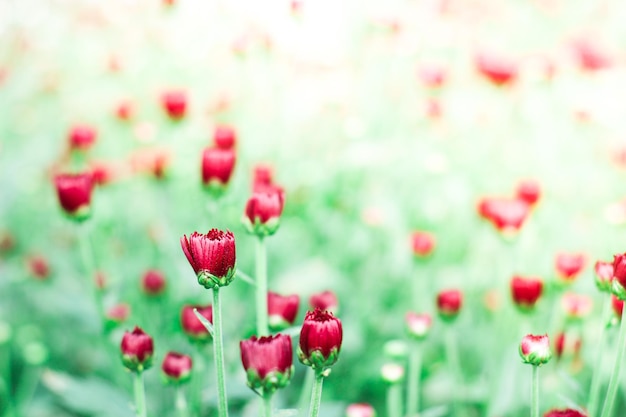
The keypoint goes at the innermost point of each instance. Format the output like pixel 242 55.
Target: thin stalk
pixel 452 353
pixel 413 382
pixel 394 401
pixel 594 390
pixel 86 251
pixel 181 402
pixel 617 367
pixel 316 394
pixel 140 395
pixel 261 288
pixel 307 386
pixel 196 383
pixel 218 347
pixel 267 405
pixel 534 393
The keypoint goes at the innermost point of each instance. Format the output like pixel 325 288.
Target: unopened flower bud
pixel 281 310
pixel 569 265
pixel 526 291
pixel 604 275
pixel 449 304
pixel 212 257
pixel 217 168
pixel 325 300
pixel 176 368
pixel 535 350
pixel 74 192
pixel 82 137
pixel 392 373
pixel 423 243
pixel 153 282
pixel 268 362
pixel 619 273
pixel 360 410
pixel 175 104
pixel 262 214
pixel 137 350
pixel 117 315
pixel 576 306
pixel 38 267
pixel 418 325
pixel 528 191
pixel 320 340
pixel 224 136
pixel 568 412
pixel 192 326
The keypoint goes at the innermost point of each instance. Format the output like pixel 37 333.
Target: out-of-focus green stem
pixel 307 386
pixel 452 353
pixel 617 367
pixel 218 346
pixel 140 395
pixel 267 406
pixel 86 251
pixel 261 288
pixel 181 402
pixel 413 383
pixel 394 400
pixel 594 390
pixel 316 394
pixel 534 393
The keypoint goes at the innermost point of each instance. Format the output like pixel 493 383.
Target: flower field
pixel 312 208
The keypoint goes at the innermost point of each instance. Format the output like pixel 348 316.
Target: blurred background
pixel 377 118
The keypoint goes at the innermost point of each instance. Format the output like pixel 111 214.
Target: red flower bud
pixel 217 168
pixel 125 110
pixel 224 137
pixel 418 325
pixel 320 340
pixel 591 56
pixel 528 191
pixel 499 70
pixel 175 104
pixel 507 215
pixel 38 267
pixel 82 137
pixel 326 300
pixel 618 306
pixel 74 192
pixel 569 265
pixel 423 243
pixel 262 214
pixel 604 275
pixel 192 326
pixel 262 175
pixel 449 304
pixel 360 410
pixel 118 313
pixel 137 350
pixel 619 269
pixel 268 362
pixel 526 291
pixel 212 257
pixel 569 412
pixel 535 350
pixel 576 306
pixel 281 310
pixel 153 282
pixel 176 367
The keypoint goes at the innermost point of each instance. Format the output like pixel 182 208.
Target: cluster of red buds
pixel 218 160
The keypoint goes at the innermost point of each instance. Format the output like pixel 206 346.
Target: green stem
pixel 316 394
pixel 218 346
pixel 307 386
pixel 199 366
pixel 452 353
pixel 261 288
pixel 394 401
pixel 594 390
pixel 534 393
pixel 140 395
pixel 415 371
pixel 86 251
pixel 267 405
pixel 181 402
pixel 614 381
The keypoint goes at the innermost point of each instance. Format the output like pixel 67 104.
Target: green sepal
pixel 80 214
pixel 316 359
pixel 618 290
pixel 210 281
pixel 132 363
pixel 273 381
pixel 261 229
pixel 215 187
pixel 534 359
pixel 184 378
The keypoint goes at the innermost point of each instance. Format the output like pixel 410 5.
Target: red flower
pixel 591 56
pixel 217 167
pixel 174 103
pixel 449 304
pixel 423 243
pixel 528 191
pixel 498 69
pixel 125 110
pixel 74 192
pixel 360 410
pixel 224 137
pixel 137 350
pixel 281 310
pixel 618 306
pixel 506 214
pixel 262 175
pixel 212 257
pixel 192 326
pixel 118 313
pixel 262 214
pixel 619 269
pixel 82 137
pixel 569 412
pixel 320 339
pixel 418 325
pixel 325 300
pixel 176 367
pixel 268 362
pixel 535 350
pixel 604 275
pixel 526 291
pixel 569 265
pixel 153 282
